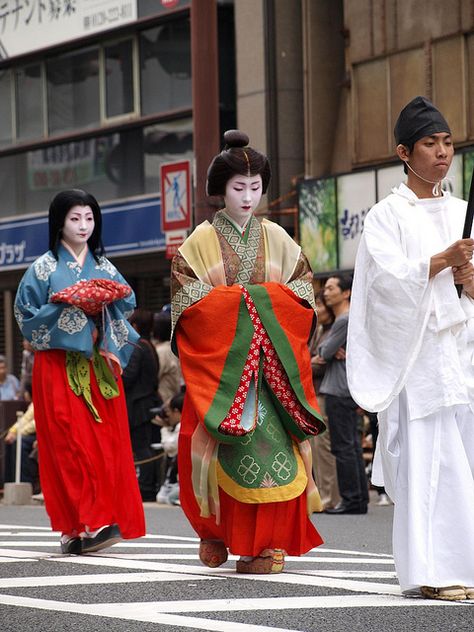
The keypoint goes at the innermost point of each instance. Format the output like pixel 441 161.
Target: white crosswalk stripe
pixel 361 580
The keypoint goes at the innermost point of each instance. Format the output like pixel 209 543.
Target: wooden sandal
pixel 447 593
pixel 269 561
pixel 212 553
pixel 469 592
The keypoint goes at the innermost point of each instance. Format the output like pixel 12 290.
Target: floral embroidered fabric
pixel 274 374
pixel 92 295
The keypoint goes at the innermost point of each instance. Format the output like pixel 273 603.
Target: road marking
pixel 128 563
pixel 147 611
pixel 283 578
pixel 103 578
pixel 22 526
pixel 23 554
pixel 144 612
pixel 10 560
pixel 161 545
pixel 148 536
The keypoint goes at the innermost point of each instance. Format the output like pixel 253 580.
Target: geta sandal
pixel 447 593
pixel 269 561
pixel 212 553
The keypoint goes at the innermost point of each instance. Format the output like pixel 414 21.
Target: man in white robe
pixel 410 359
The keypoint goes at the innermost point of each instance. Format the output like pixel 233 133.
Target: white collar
pixel 238 227
pixel 404 191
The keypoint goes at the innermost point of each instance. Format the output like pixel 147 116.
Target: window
pixel 29 102
pixel 73 91
pixel 165 142
pixel 119 78
pixel 110 166
pixel 165 67
pixel 145 74
pixel 5 108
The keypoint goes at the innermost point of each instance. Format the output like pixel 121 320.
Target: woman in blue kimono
pixel 86 464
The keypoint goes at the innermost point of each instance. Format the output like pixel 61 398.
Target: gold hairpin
pixel 248 162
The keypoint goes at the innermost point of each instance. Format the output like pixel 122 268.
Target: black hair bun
pixel 235 138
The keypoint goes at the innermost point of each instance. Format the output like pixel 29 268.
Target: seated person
pixel 170 424
pixel 26 426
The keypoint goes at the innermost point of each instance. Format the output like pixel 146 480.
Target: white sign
pixel 454 178
pixel 174 240
pixel 388 178
pixel 28 25
pixel 355 198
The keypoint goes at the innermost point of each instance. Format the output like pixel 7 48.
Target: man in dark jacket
pixel 140 381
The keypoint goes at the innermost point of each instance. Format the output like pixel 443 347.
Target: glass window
pixel 110 166
pixel 29 102
pixel 11 189
pixel 73 90
pixel 165 142
pixel 165 62
pixel 5 108
pixel 119 78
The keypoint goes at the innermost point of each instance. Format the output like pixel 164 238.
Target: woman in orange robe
pixel 243 312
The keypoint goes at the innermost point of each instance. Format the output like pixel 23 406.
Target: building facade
pixel 320 84
pixel 102 101
pixel 98 95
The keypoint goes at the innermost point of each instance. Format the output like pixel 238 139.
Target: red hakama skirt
pixel 245 528
pixel 86 468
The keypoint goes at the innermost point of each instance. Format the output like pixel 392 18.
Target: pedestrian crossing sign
pixel 176 196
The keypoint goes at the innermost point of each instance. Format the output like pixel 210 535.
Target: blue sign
pixel 127 228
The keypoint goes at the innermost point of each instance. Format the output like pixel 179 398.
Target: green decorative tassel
pixel 78 375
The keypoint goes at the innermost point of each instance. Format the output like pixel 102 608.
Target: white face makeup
pixel 242 196
pixel 78 227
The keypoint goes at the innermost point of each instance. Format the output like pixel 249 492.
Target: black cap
pixel 418 118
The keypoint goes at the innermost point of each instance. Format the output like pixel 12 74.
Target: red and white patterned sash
pixel 275 376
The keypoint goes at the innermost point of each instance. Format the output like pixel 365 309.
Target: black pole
pixel 466 233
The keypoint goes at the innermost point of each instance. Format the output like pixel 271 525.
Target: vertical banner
pixel 318 216
pixel 355 198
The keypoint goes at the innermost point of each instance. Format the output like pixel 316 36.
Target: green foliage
pixel 468 169
pixel 318 223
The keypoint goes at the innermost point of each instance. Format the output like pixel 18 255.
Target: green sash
pixel 78 375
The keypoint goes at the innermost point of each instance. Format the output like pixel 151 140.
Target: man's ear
pixel 403 152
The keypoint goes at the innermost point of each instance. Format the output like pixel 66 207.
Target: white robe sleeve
pixel 391 302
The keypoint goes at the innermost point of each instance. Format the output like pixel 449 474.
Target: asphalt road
pixel 158 583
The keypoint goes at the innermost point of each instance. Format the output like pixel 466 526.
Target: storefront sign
pixel 355 198
pixel 127 228
pixel 332 210
pixel 29 25
pixel 69 164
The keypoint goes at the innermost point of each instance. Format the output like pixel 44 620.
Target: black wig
pixel 60 205
pixel 236 159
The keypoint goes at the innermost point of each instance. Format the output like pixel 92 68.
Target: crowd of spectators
pixel 154 391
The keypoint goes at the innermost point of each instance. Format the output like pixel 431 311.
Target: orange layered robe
pixel 245 475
